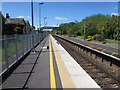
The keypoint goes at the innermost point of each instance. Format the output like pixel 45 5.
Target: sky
pixel 58 12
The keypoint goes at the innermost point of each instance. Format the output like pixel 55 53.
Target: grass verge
pixel 112 41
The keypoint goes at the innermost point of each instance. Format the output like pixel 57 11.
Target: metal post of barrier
pixel 36 39
pixel 111 63
pixel 15 40
pixel 6 53
pixel 27 43
pixel 30 41
pixel 95 55
pixel 22 46
pixel 102 58
pixel 40 36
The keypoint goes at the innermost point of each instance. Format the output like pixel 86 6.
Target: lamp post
pixel 33 49
pixel 44 21
pixel 40 14
pixel 84 30
pixel 84 21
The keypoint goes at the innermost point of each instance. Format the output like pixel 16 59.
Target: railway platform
pixel 50 66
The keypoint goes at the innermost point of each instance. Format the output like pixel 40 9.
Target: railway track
pixel 99 71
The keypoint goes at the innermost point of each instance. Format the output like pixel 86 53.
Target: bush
pixel 13 28
pixel 71 35
pixel 99 37
pixel 18 30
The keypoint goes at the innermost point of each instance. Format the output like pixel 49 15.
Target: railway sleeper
pixel 104 79
pixel 105 83
pixel 88 68
pixel 89 71
pixel 86 65
pixel 98 77
pixel 111 86
pixel 94 72
pixel 84 62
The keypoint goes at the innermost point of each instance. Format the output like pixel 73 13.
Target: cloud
pixel 28 17
pixel 60 18
pixel 21 17
pixel 116 14
pixel 24 17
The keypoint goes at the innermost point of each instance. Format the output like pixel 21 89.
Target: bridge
pixel 49 27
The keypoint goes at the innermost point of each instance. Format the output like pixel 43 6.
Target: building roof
pixel 16 20
pixel 27 22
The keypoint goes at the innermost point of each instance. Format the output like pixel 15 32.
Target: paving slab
pixel 15 81
pixel 23 68
pixel 41 78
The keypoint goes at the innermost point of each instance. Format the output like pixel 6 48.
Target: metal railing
pixel 14 47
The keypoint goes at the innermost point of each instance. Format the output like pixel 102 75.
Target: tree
pixel 101 26
pixel 13 28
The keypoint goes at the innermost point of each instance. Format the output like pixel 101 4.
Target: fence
pixel 15 47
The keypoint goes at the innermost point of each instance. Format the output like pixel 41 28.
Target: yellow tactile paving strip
pixel 52 74
pixel 66 80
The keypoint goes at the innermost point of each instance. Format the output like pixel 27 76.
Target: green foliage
pixel 18 30
pixel 13 28
pixel 112 41
pixel 11 50
pixel 99 37
pixel 100 26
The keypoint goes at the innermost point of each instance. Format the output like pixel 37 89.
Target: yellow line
pixel 103 50
pixel 99 48
pixel 52 74
pixel 114 53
